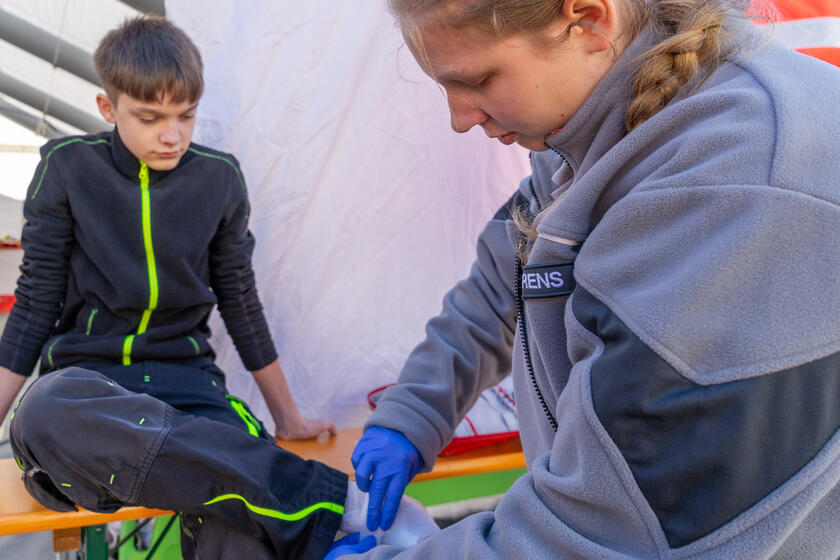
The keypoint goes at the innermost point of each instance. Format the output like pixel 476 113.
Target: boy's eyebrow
pixel 150 111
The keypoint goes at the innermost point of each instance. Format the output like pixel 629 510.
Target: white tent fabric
pixel 366 206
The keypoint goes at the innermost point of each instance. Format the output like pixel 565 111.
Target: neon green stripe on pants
pixel 296 516
pixel 250 421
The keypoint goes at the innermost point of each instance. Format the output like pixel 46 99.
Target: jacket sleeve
pixel 467 348
pixel 232 279
pixel 47 241
pixel 700 417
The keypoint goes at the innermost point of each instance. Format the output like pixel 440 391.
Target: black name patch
pixel 547 280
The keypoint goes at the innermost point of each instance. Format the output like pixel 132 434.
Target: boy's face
pixel 156 133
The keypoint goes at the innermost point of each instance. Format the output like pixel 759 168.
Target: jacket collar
pixel 595 129
pixel 128 164
pixel 599 122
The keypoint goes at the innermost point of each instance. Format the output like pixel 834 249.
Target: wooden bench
pixel 336 453
pixel 19 513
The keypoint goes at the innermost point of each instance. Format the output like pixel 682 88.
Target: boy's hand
pixel 303 428
pixel 289 424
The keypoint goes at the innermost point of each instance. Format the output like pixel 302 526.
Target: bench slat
pixel 336 453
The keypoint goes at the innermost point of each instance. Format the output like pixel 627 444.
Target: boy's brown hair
pixel 147 58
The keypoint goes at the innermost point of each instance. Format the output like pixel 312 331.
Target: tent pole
pixel 156 7
pixel 57 108
pixel 30 121
pixel 42 44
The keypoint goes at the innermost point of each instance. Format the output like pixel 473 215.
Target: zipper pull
pixel 144 174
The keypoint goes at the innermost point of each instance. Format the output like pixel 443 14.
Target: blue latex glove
pixel 350 545
pixel 385 462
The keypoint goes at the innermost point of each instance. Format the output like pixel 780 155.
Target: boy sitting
pixel 131 237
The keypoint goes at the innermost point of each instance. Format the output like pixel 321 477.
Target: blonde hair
pixel 697 36
pixel 148 57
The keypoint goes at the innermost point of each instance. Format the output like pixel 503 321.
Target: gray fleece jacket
pixel 680 330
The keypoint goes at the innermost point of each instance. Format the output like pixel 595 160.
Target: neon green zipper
pixel 146 210
pixel 129 340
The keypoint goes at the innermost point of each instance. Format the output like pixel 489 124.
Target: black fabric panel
pixel 704 454
pixel 517 200
pixel 547 280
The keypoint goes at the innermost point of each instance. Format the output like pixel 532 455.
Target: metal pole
pixel 59 109
pixel 30 121
pixel 147 6
pixel 42 44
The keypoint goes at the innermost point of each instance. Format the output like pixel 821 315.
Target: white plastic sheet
pixel 366 206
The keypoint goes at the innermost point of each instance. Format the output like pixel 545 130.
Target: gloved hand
pixel 350 545
pixel 385 462
pixel 411 524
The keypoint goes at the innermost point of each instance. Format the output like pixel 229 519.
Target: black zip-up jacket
pixel 123 263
